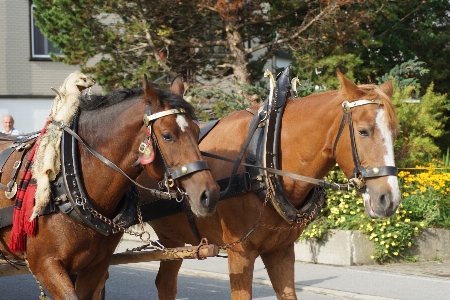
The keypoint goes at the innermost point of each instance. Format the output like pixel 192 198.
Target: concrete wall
pixel 347 248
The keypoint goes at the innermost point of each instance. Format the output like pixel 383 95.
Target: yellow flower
pixel 395 253
pixel 334 210
pixel 409 244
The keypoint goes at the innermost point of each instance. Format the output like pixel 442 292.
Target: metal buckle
pixel 17 164
pixel 12 192
pixel 146 120
pixel 142 147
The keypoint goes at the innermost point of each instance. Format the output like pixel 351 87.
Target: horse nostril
pixel 387 203
pixel 204 199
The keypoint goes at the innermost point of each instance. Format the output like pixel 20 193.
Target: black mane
pixel 93 102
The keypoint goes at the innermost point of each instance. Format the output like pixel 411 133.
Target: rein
pixel 356 181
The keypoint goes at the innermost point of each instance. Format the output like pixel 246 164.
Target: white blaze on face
pixel 389 148
pixel 181 121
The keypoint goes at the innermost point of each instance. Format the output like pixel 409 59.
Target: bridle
pixel 357 179
pixel 170 174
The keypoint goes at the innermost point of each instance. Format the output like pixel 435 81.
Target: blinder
pixel 360 173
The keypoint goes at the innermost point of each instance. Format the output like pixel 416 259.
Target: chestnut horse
pixel 113 125
pixel 309 133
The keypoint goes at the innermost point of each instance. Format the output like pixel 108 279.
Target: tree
pixel 420 124
pixel 210 38
pixel 390 33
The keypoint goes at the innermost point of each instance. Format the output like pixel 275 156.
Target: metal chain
pixel 119 228
pixel 257 222
pixel 155 245
pixel 305 220
pixel 42 295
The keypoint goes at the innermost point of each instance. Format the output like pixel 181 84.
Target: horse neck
pixel 309 127
pixel 115 132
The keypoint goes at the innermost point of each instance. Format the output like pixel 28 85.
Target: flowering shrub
pixel 425 204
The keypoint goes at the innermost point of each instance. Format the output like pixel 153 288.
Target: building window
pixel 40 45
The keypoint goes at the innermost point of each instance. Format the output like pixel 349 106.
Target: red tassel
pixel 24 205
pixel 28 202
pixel 17 238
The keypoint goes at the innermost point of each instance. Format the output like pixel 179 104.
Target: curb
pixel 349 248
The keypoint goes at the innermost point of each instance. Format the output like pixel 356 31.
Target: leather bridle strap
pixel 359 170
pixel 185 169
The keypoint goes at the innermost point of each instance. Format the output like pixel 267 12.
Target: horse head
pixel 365 152
pixel 177 166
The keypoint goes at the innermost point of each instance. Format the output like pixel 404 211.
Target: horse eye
pixel 363 132
pixel 167 137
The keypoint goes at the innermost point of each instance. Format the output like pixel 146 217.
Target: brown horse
pixel 309 133
pixel 113 125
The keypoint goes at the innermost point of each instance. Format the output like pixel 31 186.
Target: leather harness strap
pixel 21 144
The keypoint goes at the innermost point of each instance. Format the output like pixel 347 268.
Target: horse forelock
pixel 373 92
pixel 94 102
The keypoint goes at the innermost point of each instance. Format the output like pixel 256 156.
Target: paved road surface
pixel 208 279
pixel 411 281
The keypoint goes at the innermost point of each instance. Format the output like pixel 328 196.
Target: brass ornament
pixel 146 120
pixel 375 171
pixel 346 107
pixel 184 170
pixel 147 151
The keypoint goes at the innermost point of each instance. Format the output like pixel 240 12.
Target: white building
pixel 26 71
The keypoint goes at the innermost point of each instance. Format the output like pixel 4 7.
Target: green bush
pixel 420 124
pixel 425 204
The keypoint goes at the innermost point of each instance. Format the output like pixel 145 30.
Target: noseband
pixel 170 174
pixel 359 172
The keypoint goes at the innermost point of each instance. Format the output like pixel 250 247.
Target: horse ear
pixel 149 92
pixel 387 88
pixel 349 88
pixel 177 85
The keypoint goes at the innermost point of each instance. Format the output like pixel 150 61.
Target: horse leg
pixel 91 281
pixel 280 267
pixel 167 278
pixel 240 267
pixel 100 292
pixel 55 278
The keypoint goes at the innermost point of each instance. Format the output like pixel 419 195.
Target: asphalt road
pixel 208 279
pixel 137 283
